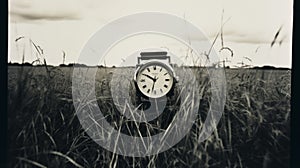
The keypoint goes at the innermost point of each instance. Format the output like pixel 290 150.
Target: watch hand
pixel 149 77
pixel 153 87
pixel 154 83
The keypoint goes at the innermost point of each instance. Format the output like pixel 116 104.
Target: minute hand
pixel 149 77
pixel 154 83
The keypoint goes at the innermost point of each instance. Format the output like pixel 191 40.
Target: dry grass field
pixel 44 131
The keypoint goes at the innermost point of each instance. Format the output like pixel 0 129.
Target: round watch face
pixel 154 80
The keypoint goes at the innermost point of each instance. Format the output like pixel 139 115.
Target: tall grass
pixel 45 132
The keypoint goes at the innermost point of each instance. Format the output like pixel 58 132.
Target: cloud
pixel 265 37
pixel 42 16
pixel 24 10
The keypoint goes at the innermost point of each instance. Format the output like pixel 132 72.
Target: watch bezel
pixel 144 66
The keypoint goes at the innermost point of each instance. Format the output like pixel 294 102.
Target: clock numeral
pixel 148 69
pixel 154 67
pixel 166 73
pixel 166 86
pixel 148 90
pixel 160 70
pixel 154 91
pixel 167 79
pixel 161 90
pixel 142 80
pixel 144 86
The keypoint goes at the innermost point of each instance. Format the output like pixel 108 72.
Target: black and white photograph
pixel 149 84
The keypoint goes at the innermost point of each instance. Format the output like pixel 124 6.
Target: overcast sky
pixel 66 25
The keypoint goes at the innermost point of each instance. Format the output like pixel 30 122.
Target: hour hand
pixel 149 77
